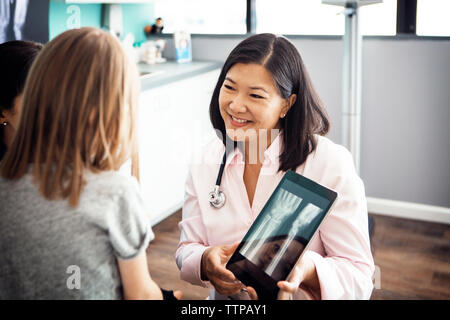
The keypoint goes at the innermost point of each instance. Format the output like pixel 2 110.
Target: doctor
pixel 265 105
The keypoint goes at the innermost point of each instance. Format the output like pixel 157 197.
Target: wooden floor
pixel 413 258
pixel 161 259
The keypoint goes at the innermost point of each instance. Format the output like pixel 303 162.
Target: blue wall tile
pixel 64 16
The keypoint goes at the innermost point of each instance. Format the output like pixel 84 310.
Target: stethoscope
pixel 217 197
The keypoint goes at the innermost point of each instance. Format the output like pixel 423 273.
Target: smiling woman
pixel 260 83
pixel 264 98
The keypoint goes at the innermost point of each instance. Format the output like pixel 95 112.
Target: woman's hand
pixel 304 275
pixel 252 293
pixel 213 269
pixel 178 294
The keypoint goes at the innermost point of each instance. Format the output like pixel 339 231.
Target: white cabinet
pixel 173 124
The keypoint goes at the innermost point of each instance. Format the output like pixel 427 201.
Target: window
pixel 203 16
pixel 432 18
pixel 311 17
pixel 379 19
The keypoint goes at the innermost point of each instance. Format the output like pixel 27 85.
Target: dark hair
pixel 305 118
pixel 16 58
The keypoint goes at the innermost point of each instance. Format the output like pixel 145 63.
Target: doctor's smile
pixel 238 122
pixel 250 101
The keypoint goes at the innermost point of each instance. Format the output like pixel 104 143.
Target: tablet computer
pixel 281 233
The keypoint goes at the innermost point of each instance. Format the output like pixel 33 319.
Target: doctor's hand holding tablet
pixel 269 257
pixel 274 209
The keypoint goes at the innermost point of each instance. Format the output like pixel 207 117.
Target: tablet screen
pixel 276 241
pixel 281 232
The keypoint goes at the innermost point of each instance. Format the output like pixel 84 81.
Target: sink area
pixel 147 74
pixel 154 75
pixel 150 70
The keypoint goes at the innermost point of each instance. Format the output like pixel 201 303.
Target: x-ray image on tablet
pixel 281 233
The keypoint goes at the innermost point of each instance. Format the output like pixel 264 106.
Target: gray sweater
pixel 49 250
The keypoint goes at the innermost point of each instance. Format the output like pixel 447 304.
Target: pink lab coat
pixel 341 248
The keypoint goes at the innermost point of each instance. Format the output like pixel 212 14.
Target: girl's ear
pixel 289 103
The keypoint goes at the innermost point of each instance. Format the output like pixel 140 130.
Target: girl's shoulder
pixel 113 183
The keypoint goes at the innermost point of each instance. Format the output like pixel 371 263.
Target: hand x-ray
pixel 24 20
pixel 281 233
pixel 12 19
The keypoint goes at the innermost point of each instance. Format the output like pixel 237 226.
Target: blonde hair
pixel 79 110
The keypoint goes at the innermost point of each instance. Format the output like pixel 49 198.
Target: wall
pixel 405 120
pixel 64 16
pixel 135 17
pixel 405 149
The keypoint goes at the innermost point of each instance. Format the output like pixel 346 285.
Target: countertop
pixel 155 75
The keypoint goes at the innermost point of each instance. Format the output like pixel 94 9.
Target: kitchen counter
pixel 173 125
pixel 155 75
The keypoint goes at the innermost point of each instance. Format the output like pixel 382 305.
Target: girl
pixel 71 226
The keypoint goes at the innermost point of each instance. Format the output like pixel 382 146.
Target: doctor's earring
pixel 5 123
